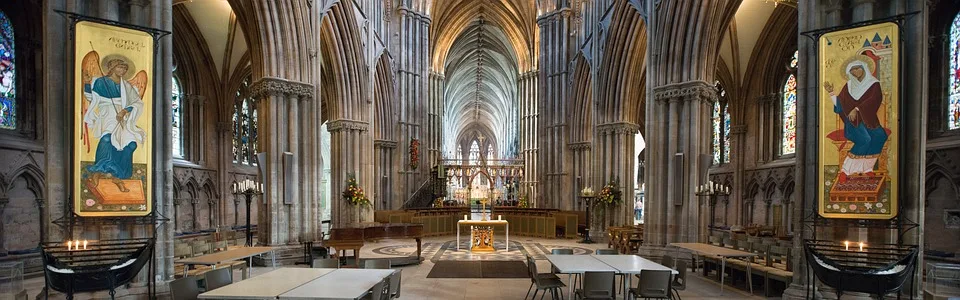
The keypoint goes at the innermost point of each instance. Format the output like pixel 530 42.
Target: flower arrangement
pixel 610 194
pixel 414 153
pixel 523 202
pixel 354 193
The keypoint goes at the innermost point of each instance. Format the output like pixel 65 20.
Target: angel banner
pixel 113 118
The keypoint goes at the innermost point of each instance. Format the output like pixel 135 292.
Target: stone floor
pixel 416 286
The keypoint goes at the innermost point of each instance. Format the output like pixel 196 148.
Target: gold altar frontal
pixel 481 239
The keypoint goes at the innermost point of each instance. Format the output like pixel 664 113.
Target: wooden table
pixel 628 265
pixel 267 286
pixel 577 264
pixel 721 252
pixel 214 259
pixel 340 284
pixel 472 223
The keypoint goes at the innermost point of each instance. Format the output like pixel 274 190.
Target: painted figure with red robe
pixel 857 104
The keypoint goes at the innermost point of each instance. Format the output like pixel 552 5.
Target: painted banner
pixel 113 119
pixel 859 83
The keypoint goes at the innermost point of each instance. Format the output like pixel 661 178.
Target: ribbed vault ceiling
pixel 481 80
pixel 481 47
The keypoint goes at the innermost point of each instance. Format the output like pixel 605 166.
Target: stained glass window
pixel 244 126
pixel 177 130
pixel 953 75
pixel 8 83
pixel 716 133
pixel 788 123
pixel 721 128
pixel 726 133
pixel 474 153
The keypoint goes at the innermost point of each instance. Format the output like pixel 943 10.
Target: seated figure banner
pixel 113 119
pixel 859 111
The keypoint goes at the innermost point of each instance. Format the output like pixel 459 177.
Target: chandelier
pixel 790 3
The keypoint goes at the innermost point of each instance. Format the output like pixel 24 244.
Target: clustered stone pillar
pixel 552 127
pixel 281 134
pixel 675 164
pixel 527 90
pixel 412 78
pixel 614 144
pixel 435 117
pixel 346 137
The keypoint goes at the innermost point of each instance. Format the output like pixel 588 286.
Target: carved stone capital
pixel 686 91
pixel 384 144
pixel 738 129
pixel 193 98
pixel 618 128
pixel 275 86
pixel 554 16
pixel 579 146
pixel 767 98
pixel 340 125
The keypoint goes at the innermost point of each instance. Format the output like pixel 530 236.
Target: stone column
pixel 347 156
pixel 412 77
pixel 675 163
pixel 527 90
pixel 435 125
pixel 553 86
pixel 614 152
pixel 807 142
pixel 279 132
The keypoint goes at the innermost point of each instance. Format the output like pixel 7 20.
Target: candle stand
pixel 588 200
pixel 248 188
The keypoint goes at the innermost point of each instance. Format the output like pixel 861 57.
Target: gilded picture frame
pixel 112 120
pixel 859 111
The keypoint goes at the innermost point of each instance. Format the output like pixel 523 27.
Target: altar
pixel 481 231
pixel 481 234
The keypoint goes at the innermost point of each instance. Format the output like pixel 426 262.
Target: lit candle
pixel 69 243
pixel 76 244
pixel 84 244
pixel 861 246
pixel 846 245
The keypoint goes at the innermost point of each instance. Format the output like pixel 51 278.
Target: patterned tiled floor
pixel 447 250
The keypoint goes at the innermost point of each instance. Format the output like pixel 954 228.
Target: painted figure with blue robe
pixel 858 104
pixel 115 106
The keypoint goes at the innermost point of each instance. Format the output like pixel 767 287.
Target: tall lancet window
pixel 474 153
pixel 177 122
pixel 244 126
pixel 8 80
pixel 953 76
pixel 788 123
pixel 721 128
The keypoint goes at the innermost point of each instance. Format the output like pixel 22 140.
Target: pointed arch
pixel 384 100
pixel 581 105
pixel 33 176
pixel 343 72
pixel 622 69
